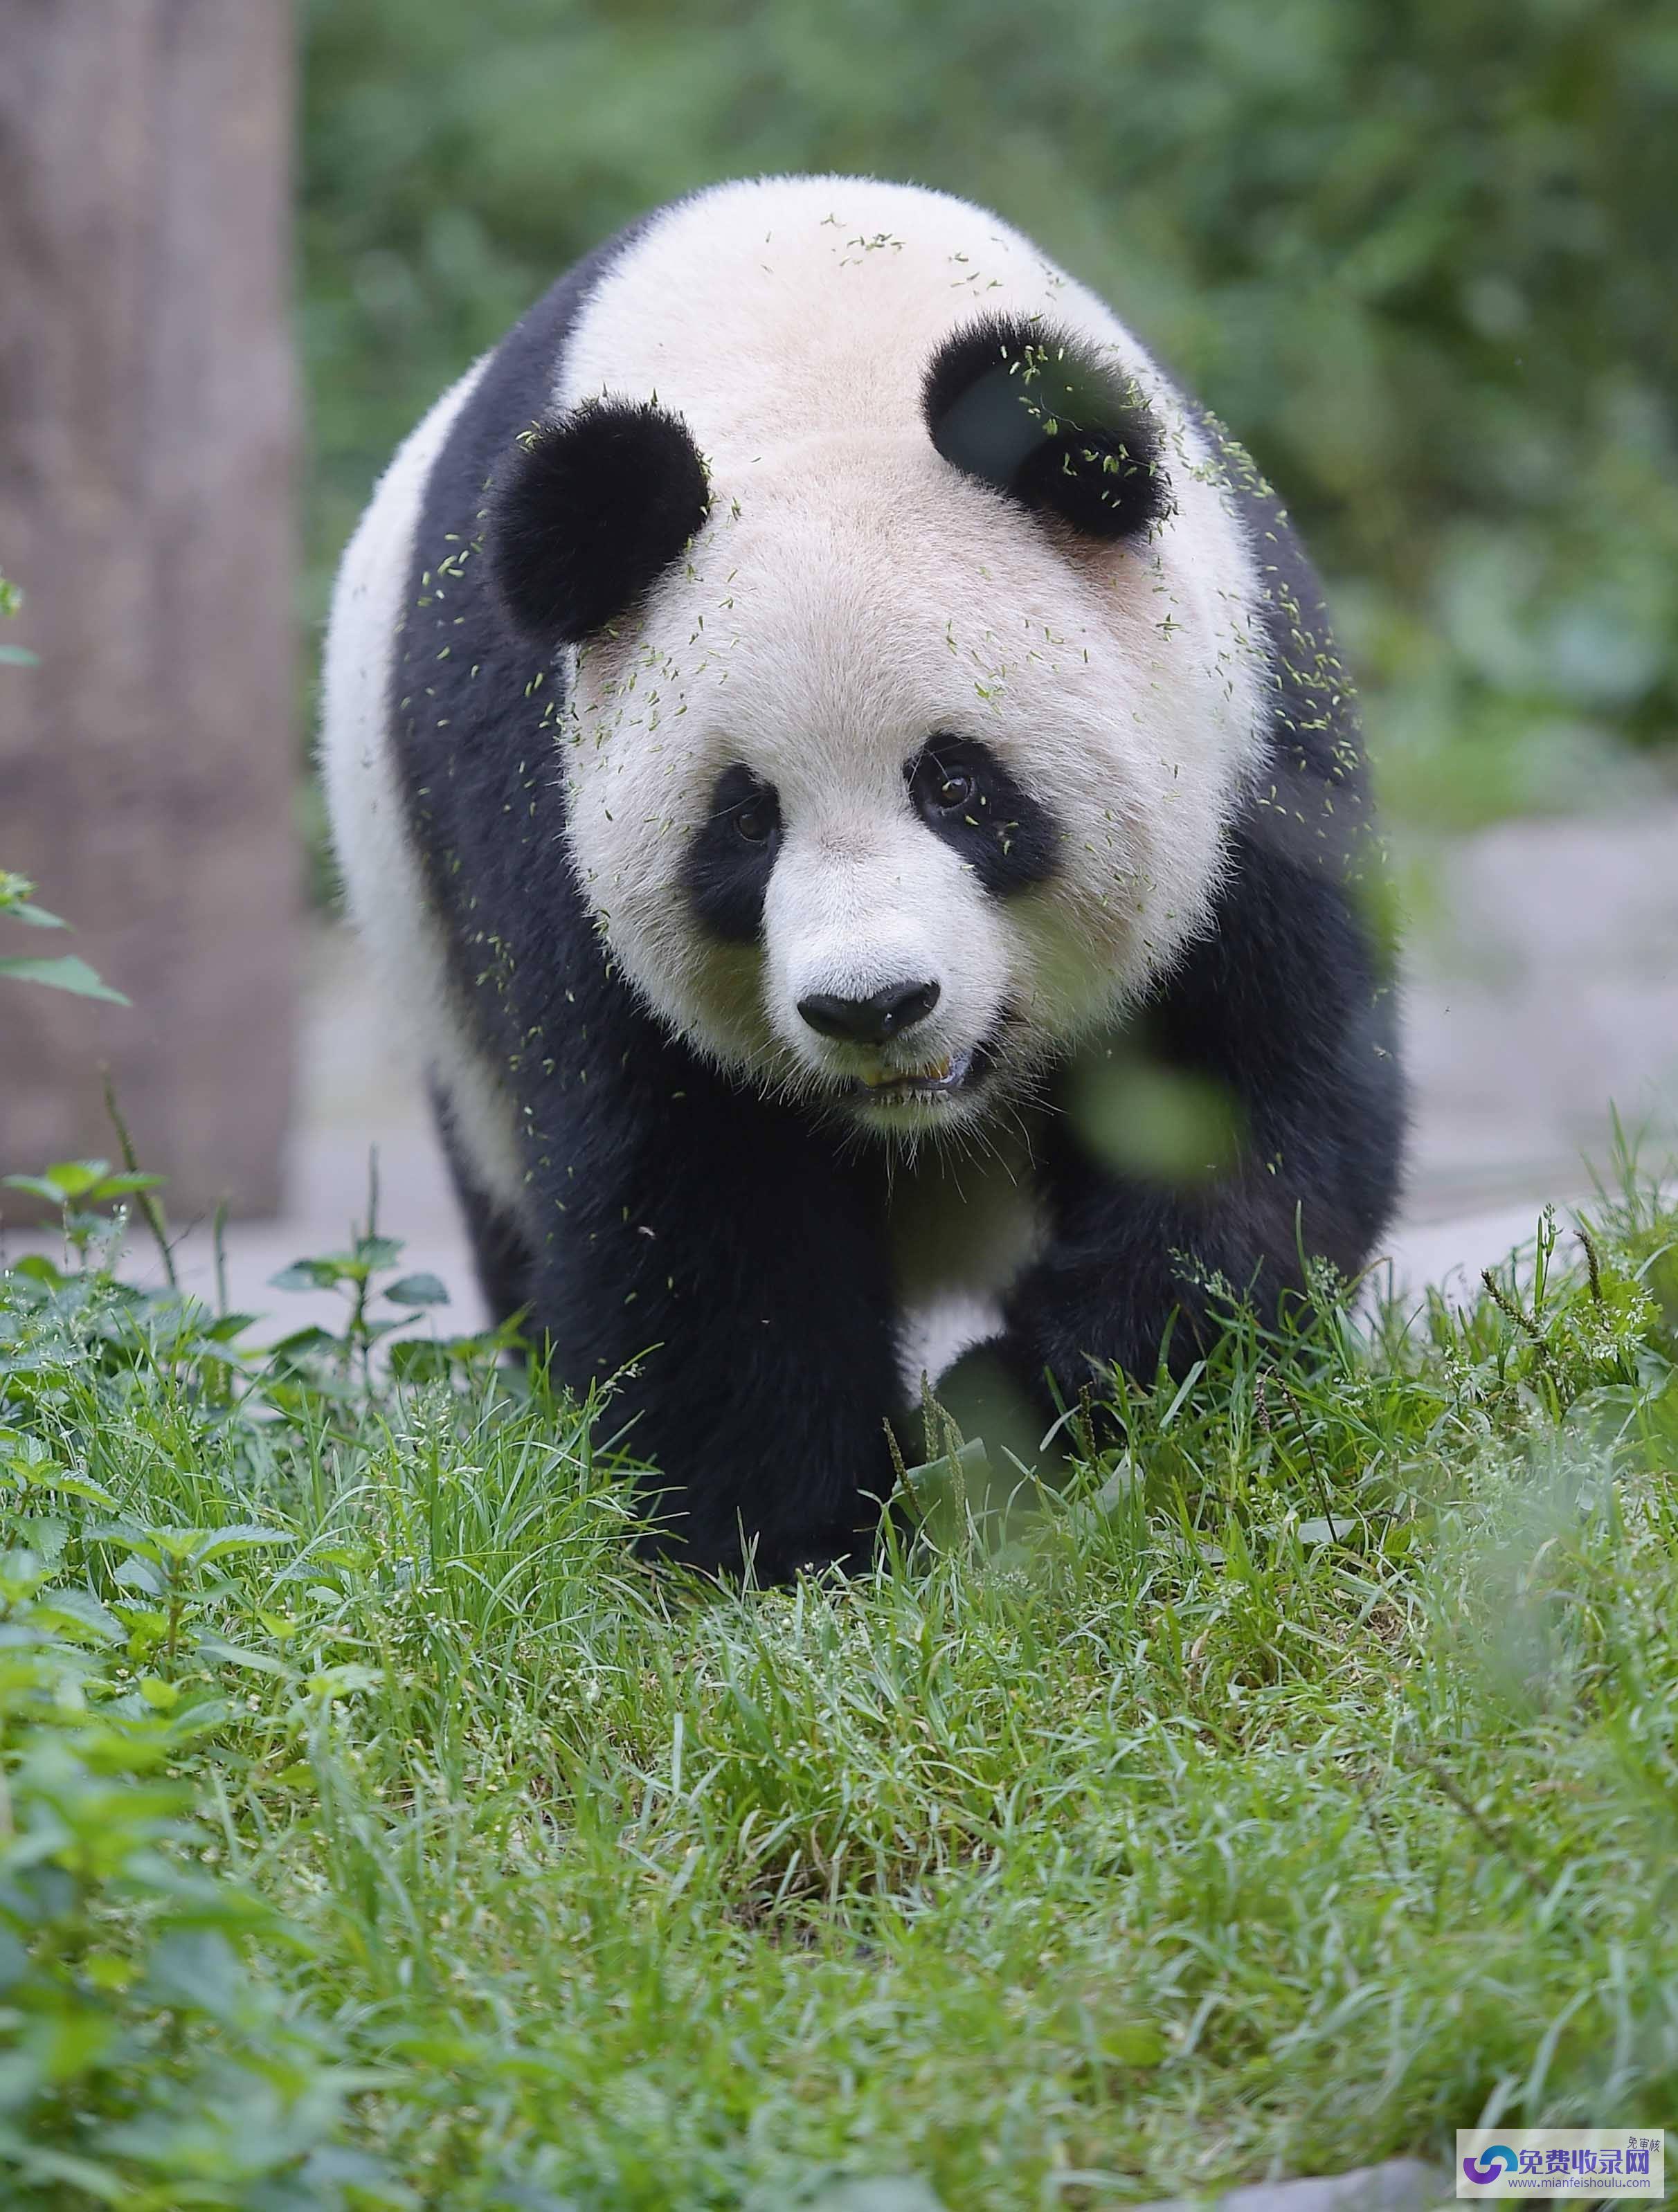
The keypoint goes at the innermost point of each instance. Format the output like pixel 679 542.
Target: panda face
pixel 918 661
pixel 887 795
pixel 886 969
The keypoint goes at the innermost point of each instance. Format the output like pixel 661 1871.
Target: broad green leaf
pixel 418 1359
pixel 140 1574
pixel 68 973
pixel 418 1290
pixel 226 1327
pixel 119 1532
pixel 36 1268
pixel 75 1178
pixel 309 1275
pixel 177 1544
pixel 83 1611
pixel 102 2182
pixel 244 1536
pixel 46 1534
pixel 79 2039
pixel 22 1573
pixel 300 1340
pixel 64 1482
pixel 36 1186
pixel 197 1969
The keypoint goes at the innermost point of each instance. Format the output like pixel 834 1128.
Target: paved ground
pixel 1543 992
pixel 1543 987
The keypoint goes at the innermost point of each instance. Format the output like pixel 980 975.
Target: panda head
pixel 897 758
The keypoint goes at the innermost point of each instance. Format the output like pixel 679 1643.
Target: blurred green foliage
pixel 1419 258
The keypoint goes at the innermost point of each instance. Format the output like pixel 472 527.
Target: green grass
pixel 1276 1797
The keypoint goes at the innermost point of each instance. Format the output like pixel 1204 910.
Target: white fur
pixel 851 595
pixel 382 876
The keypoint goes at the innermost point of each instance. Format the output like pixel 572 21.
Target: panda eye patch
pixel 731 854
pixel 966 797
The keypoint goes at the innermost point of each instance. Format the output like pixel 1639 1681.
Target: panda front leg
pixel 1133 1271
pixel 726 1271
pixel 1284 1015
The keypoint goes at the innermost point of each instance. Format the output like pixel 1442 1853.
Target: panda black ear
pixel 588 512
pixel 1041 417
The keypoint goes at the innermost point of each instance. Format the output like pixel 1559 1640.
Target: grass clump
pixel 1290 1788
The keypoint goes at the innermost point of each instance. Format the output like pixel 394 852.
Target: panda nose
pixel 870 1021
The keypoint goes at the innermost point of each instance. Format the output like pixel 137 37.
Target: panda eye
pixel 942 787
pixel 757 818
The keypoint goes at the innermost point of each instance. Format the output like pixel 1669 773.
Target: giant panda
pixel 811 695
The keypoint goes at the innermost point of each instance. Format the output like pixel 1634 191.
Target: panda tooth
pixel 887 1078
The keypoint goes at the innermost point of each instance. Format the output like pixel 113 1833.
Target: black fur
pixel 590 510
pixel 714 1253
pixel 1030 411
pixel 725 873
pixel 725 1258
pixel 1286 1008
pixel 1009 839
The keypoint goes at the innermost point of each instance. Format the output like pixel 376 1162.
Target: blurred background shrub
pixel 1420 257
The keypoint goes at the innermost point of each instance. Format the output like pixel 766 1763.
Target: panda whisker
pixel 985 1138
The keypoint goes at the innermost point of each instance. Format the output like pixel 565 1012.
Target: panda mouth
pixel 941 1078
